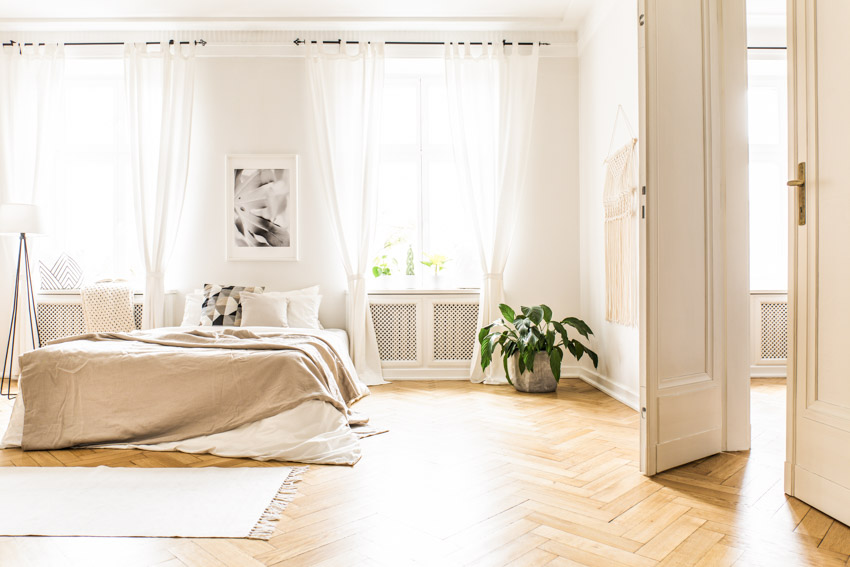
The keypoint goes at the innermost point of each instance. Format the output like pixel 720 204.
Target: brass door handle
pixel 800 184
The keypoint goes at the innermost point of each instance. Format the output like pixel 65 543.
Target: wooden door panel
pixel 819 412
pixel 680 388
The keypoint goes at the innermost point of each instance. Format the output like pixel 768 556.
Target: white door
pixel 684 238
pixel 818 459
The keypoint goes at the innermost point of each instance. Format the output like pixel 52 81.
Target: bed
pixel 255 392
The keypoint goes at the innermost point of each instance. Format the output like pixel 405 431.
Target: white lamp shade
pixel 16 218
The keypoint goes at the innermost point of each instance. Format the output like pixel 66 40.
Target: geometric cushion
pixel 221 304
pixel 64 274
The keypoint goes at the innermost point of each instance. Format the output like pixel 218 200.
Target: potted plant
pixel 410 269
pixel 532 346
pixel 385 264
pixel 438 262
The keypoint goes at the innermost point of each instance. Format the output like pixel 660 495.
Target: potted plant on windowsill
pixel 438 263
pixel 532 346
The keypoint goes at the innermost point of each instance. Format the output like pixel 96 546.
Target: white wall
pixel 544 263
pixel 608 77
pixel 253 106
pixel 261 105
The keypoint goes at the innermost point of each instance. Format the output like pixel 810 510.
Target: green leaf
pixel 555 359
pixel 376 271
pixel 579 326
pixel 536 314
pixel 485 330
pixel 485 353
pixel 529 359
pixel 507 374
pixel 550 340
pixel 524 310
pixel 507 312
pixel 521 361
pixel 561 331
pixel 541 338
pixel 522 325
pixel 593 356
pixel 547 313
pixel 492 347
pixel 579 350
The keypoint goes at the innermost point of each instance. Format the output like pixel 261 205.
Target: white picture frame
pixel 261 207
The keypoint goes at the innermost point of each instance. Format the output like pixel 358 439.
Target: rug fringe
pixel 264 527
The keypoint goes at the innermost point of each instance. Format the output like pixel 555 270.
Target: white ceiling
pixel 303 14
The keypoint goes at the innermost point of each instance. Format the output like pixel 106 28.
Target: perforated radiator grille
pixel 58 320
pixel 774 330
pixel 454 330
pixel 395 329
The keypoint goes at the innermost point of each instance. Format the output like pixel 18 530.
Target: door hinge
pixel 800 184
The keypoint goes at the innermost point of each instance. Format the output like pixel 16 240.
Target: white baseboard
pixel 763 371
pixel 598 381
pixel 604 384
pixel 399 374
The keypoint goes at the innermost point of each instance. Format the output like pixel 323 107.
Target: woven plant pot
pixel 538 381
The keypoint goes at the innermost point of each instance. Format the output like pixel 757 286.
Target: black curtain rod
pixel 766 47
pixel 299 41
pixel 170 42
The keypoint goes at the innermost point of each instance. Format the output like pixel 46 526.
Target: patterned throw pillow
pixel 221 304
pixel 64 274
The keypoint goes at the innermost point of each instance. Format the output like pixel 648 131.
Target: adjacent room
pixel 454 283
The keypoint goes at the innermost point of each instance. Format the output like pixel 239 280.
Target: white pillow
pixel 263 310
pixel 312 290
pixel 192 309
pixel 303 311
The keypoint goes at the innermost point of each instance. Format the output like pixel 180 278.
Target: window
pixel 92 218
pixel 420 213
pixel 768 144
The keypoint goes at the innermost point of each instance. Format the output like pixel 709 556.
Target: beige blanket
pixel 152 386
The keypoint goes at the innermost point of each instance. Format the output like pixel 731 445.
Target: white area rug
pixel 106 501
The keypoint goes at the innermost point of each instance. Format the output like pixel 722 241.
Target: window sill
pixel 450 291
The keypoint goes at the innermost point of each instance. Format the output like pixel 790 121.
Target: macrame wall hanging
pixel 620 205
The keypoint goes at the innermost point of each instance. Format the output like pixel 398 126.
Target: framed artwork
pixel 262 207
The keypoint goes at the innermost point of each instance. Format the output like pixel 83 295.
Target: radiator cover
pixel 769 334
pixel 61 315
pixel 425 335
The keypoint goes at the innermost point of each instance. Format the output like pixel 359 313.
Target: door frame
pixel 794 108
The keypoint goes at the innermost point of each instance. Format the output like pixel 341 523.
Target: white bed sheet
pixel 314 432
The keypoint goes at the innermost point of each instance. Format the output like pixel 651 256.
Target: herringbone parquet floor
pixel 478 475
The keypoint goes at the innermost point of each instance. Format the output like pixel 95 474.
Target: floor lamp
pixel 21 219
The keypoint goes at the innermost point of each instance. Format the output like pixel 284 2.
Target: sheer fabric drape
pixel 160 84
pixel 31 99
pixel 346 85
pixel 491 92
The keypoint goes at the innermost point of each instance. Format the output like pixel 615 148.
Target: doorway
pixel 767 79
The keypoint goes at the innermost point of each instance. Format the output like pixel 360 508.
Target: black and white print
pixel 262 205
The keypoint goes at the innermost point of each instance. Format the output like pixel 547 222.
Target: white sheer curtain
pixel 491 93
pixel 160 82
pixel 31 89
pixel 347 88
